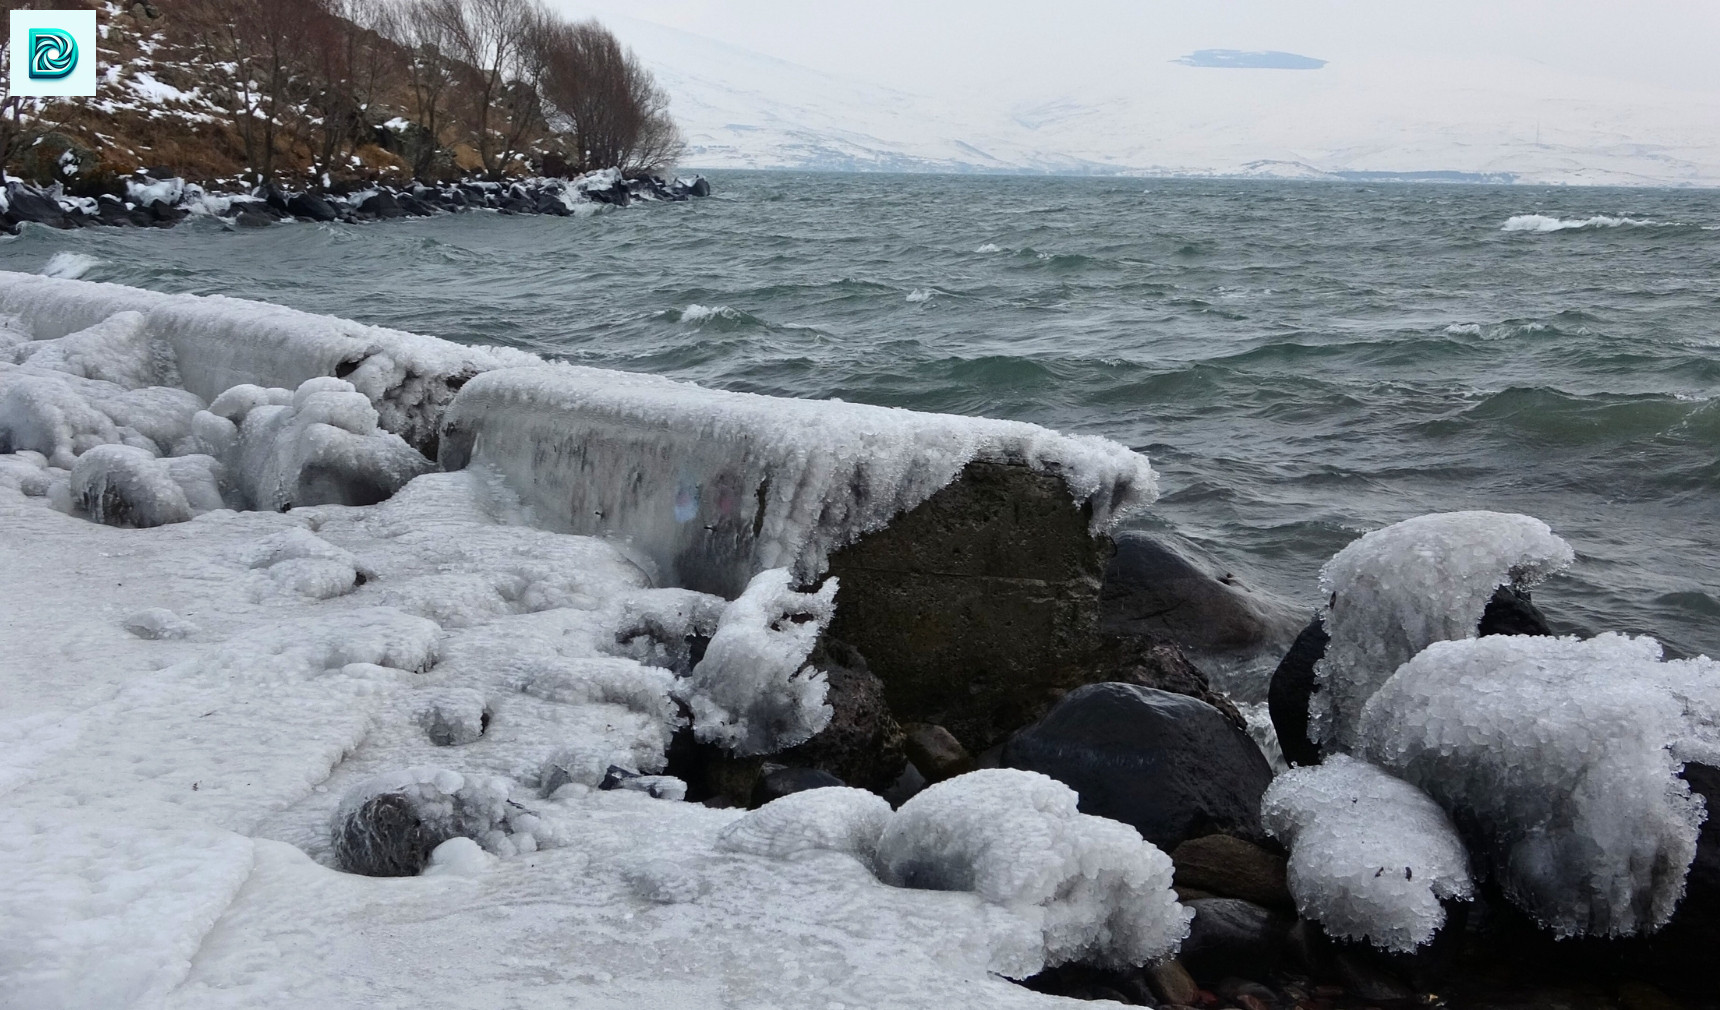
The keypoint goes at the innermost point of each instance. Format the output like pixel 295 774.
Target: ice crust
pixel 710 488
pixel 753 692
pixel 1091 888
pixel 1397 590
pixel 1560 757
pixel 832 819
pixel 1372 857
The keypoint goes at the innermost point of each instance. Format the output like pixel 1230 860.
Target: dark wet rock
pixel 272 195
pixel 699 187
pixel 413 206
pixel 937 754
pixel 907 785
pixel 1156 663
pixel 1363 976
pixel 1229 867
pixel 778 781
pixel 386 837
pixel 863 745
pixel 1509 612
pixel 1078 981
pixel 311 207
pixel 1245 993
pixel 27 204
pixel 382 206
pixel 252 219
pixel 713 775
pixel 979 607
pixel 1157 586
pixel 549 203
pixel 1172 983
pixel 1170 766
pixel 1233 938
pixel 113 213
pixel 1291 688
pixel 164 216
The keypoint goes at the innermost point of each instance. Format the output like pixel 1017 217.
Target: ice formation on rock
pixel 1093 889
pixel 1559 758
pixel 389 826
pixel 753 692
pixel 1399 589
pixel 322 448
pixel 712 487
pixel 1371 856
pixel 836 819
pixel 122 485
pixel 116 350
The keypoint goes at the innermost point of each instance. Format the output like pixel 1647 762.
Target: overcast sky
pixel 1017 45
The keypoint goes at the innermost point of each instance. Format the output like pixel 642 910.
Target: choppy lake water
pixel 1303 362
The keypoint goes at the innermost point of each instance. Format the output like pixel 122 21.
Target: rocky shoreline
pixel 160 199
pixel 920 644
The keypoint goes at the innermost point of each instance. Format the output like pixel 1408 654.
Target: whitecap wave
pixel 920 295
pixel 989 248
pixel 70 265
pixel 696 314
pixel 1542 222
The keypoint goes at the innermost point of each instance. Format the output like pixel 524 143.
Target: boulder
pixel 937 754
pixel 382 206
pixel 780 780
pixel 310 207
pixel 252 219
pixel 1170 766
pixel 1233 938
pixel 863 744
pixel 1229 867
pixel 1509 612
pixel 979 607
pixel 699 187
pixel 28 204
pixel 1158 586
pixel 386 837
pixel 1157 663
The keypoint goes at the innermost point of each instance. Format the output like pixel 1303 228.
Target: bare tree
pixel 618 114
pixel 489 39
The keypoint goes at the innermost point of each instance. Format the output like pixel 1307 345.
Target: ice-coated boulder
pixel 390 825
pixel 118 350
pixel 754 692
pixel 1170 766
pixel 1090 887
pixel 1559 760
pixel 1371 856
pixel 122 485
pixel 837 819
pixel 1397 590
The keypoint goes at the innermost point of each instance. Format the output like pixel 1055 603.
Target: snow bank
pixel 1399 589
pixel 1560 759
pixel 753 692
pixel 1371 856
pixel 710 488
pixel 1092 888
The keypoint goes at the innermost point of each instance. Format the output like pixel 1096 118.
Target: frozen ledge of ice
pixel 709 488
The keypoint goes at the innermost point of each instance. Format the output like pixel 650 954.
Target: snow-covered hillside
pixel 1520 118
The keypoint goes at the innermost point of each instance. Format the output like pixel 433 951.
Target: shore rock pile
pixel 158 199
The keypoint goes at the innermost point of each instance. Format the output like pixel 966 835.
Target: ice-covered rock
pixel 389 826
pixel 1371 856
pixel 122 485
pixel 158 623
pixel 1559 760
pixel 753 692
pixel 62 415
pixel 837 819
pixel 1094 889
pixel 27 472
pixel 322 448
pixel 118 350
pixel 454 716
pixel 1397 590
pixel 713 487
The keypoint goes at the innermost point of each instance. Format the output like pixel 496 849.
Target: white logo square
pixel 53 53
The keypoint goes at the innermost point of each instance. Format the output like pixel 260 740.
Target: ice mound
pixel 62 415
pixel 298 561
pixel 1371 856
pixel 753 692
pixel 714 487
pixel 1095 891
pixel 122 485
pixel 324 447
pixel 157 623
pixel 606 680
pixel 665 882
pixel 389 826
pixel 1399 589
pixel 835 818
pixel 1560 759
pixel 28 473
pixel 454 716
pixel 117 350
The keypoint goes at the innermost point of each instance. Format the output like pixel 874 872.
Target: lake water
pixel 1303 362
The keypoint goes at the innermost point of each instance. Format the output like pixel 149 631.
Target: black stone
pixel 311 207
pixel 1170 766
pixel 382 206
pixel 1292 685
pixel 385 838
pixel 1511 612
pixel 699 187
pixel 863 745
pixel 413 206
pixel 778 781
pixel 27 204
pixel 1233 938
pixel 253 219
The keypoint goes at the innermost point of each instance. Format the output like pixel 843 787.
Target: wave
pixel 1544 223
pixel 989 248
pixel 920 295
pixel 718 316
pixel 70 265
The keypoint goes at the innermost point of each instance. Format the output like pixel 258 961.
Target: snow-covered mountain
pixel 1505 119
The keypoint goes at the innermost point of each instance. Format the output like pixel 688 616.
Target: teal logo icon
pixel 53 54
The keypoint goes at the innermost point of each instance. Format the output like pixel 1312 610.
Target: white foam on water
pixel 70 265
pixel 1544 223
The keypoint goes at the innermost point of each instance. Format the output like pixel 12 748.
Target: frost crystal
pixel 753 692
pixel 1560 759
pixel 1093 888
pixel 1371 856
pixel 1397 590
